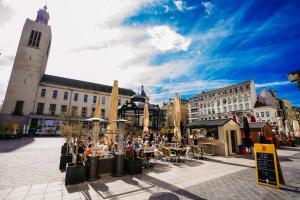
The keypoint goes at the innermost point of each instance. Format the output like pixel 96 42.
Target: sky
pixel 168 46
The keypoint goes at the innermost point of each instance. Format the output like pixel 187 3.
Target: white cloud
pixel 278 83
pixel 179 5
pixel 208 6
pixel 164 38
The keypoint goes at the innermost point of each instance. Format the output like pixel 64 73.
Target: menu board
pixel 266 165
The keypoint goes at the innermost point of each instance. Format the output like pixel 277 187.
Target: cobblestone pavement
pixel 29 170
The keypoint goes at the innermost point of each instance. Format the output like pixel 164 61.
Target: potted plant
pixel 75 172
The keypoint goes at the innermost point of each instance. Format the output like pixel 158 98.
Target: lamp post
pixel 118 165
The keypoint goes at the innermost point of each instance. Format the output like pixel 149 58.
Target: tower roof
pixel 42 16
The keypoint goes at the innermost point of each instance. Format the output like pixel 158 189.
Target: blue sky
pixel 232 41
pixel 168 46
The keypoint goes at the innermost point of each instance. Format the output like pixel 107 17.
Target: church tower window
pixel 34 40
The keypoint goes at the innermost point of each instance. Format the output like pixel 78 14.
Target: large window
pixel 83 111
pixel 66 94
pixel 103 100
pixel 103 113
pixel 235 107
pixel 76 97
pixel 40 108
pixel 225 109
pixel 74 110
pixel 34 40
pixel 230 108
pixel 93 112
pixel 262 114
pixel 19 108
pixel 52 109
pixel 257 114
pixel 94 99
pixel 43 92
pixel 63 109
pixel 212 133
pixel 85 98
pixel 54 95
pixel 247 106
pixel 241 107
pixel 267 114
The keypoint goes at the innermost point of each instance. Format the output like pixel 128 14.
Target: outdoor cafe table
pixel 177 150
pixel 212 145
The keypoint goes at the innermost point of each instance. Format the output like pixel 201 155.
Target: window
pixel 225 109
pixel 257 114
pixel 85 98
pixel 34 40
pixel 246 98
pixel 218 102
pixel 212 133
pixel 267 114
pixel 52 109
pixel 74 110
pixel 76 97
pixel 240 99
pixel 224 101
pixel 230 108
pixel 234 100
pixel 119 102
pixel 40 108
pixel 19 108
pixel 213 111
pixel 219 110
pixel 63 109
pixel 103 113
pixel 262 114
pixel 43 92
pixel 93 112
pixel 247 106
pixel 83 111
pixel 235 107
pixel 103 100
pixel 54 95
pixel 66 94
pixel 94 99
pixel 209 111
pixel 241 107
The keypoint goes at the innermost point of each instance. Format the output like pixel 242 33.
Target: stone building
pixel 168 108
pixel 223 103
pixel 38 99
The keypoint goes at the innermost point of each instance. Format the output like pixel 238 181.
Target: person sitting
pixel 88 150
pixel 136 144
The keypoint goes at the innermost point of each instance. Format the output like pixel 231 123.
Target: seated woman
pixel 88 150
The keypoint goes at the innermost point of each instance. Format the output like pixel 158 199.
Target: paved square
pixel 29 170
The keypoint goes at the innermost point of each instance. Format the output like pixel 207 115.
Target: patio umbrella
pixel 112 125
pixel 177 116
pixel 146 119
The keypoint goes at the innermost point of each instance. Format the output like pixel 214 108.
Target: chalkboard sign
pixel 266 165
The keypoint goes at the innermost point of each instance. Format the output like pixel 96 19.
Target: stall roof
pixel 256 124
pixel 208 123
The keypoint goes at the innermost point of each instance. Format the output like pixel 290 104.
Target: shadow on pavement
pixel 290 188
pixel 13 144
pixel 163 195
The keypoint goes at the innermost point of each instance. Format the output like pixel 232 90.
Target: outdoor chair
pixel 198 152
pixel 169 155
pixel 187 154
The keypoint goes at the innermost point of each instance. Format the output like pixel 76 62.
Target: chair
pixel 169 155
pixel 198 152
pixel 187 153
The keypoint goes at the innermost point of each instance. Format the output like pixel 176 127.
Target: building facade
pixel 238 99
pixel 36 99
pixel 168 108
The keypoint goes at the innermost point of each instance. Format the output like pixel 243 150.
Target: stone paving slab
pixel 213 178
